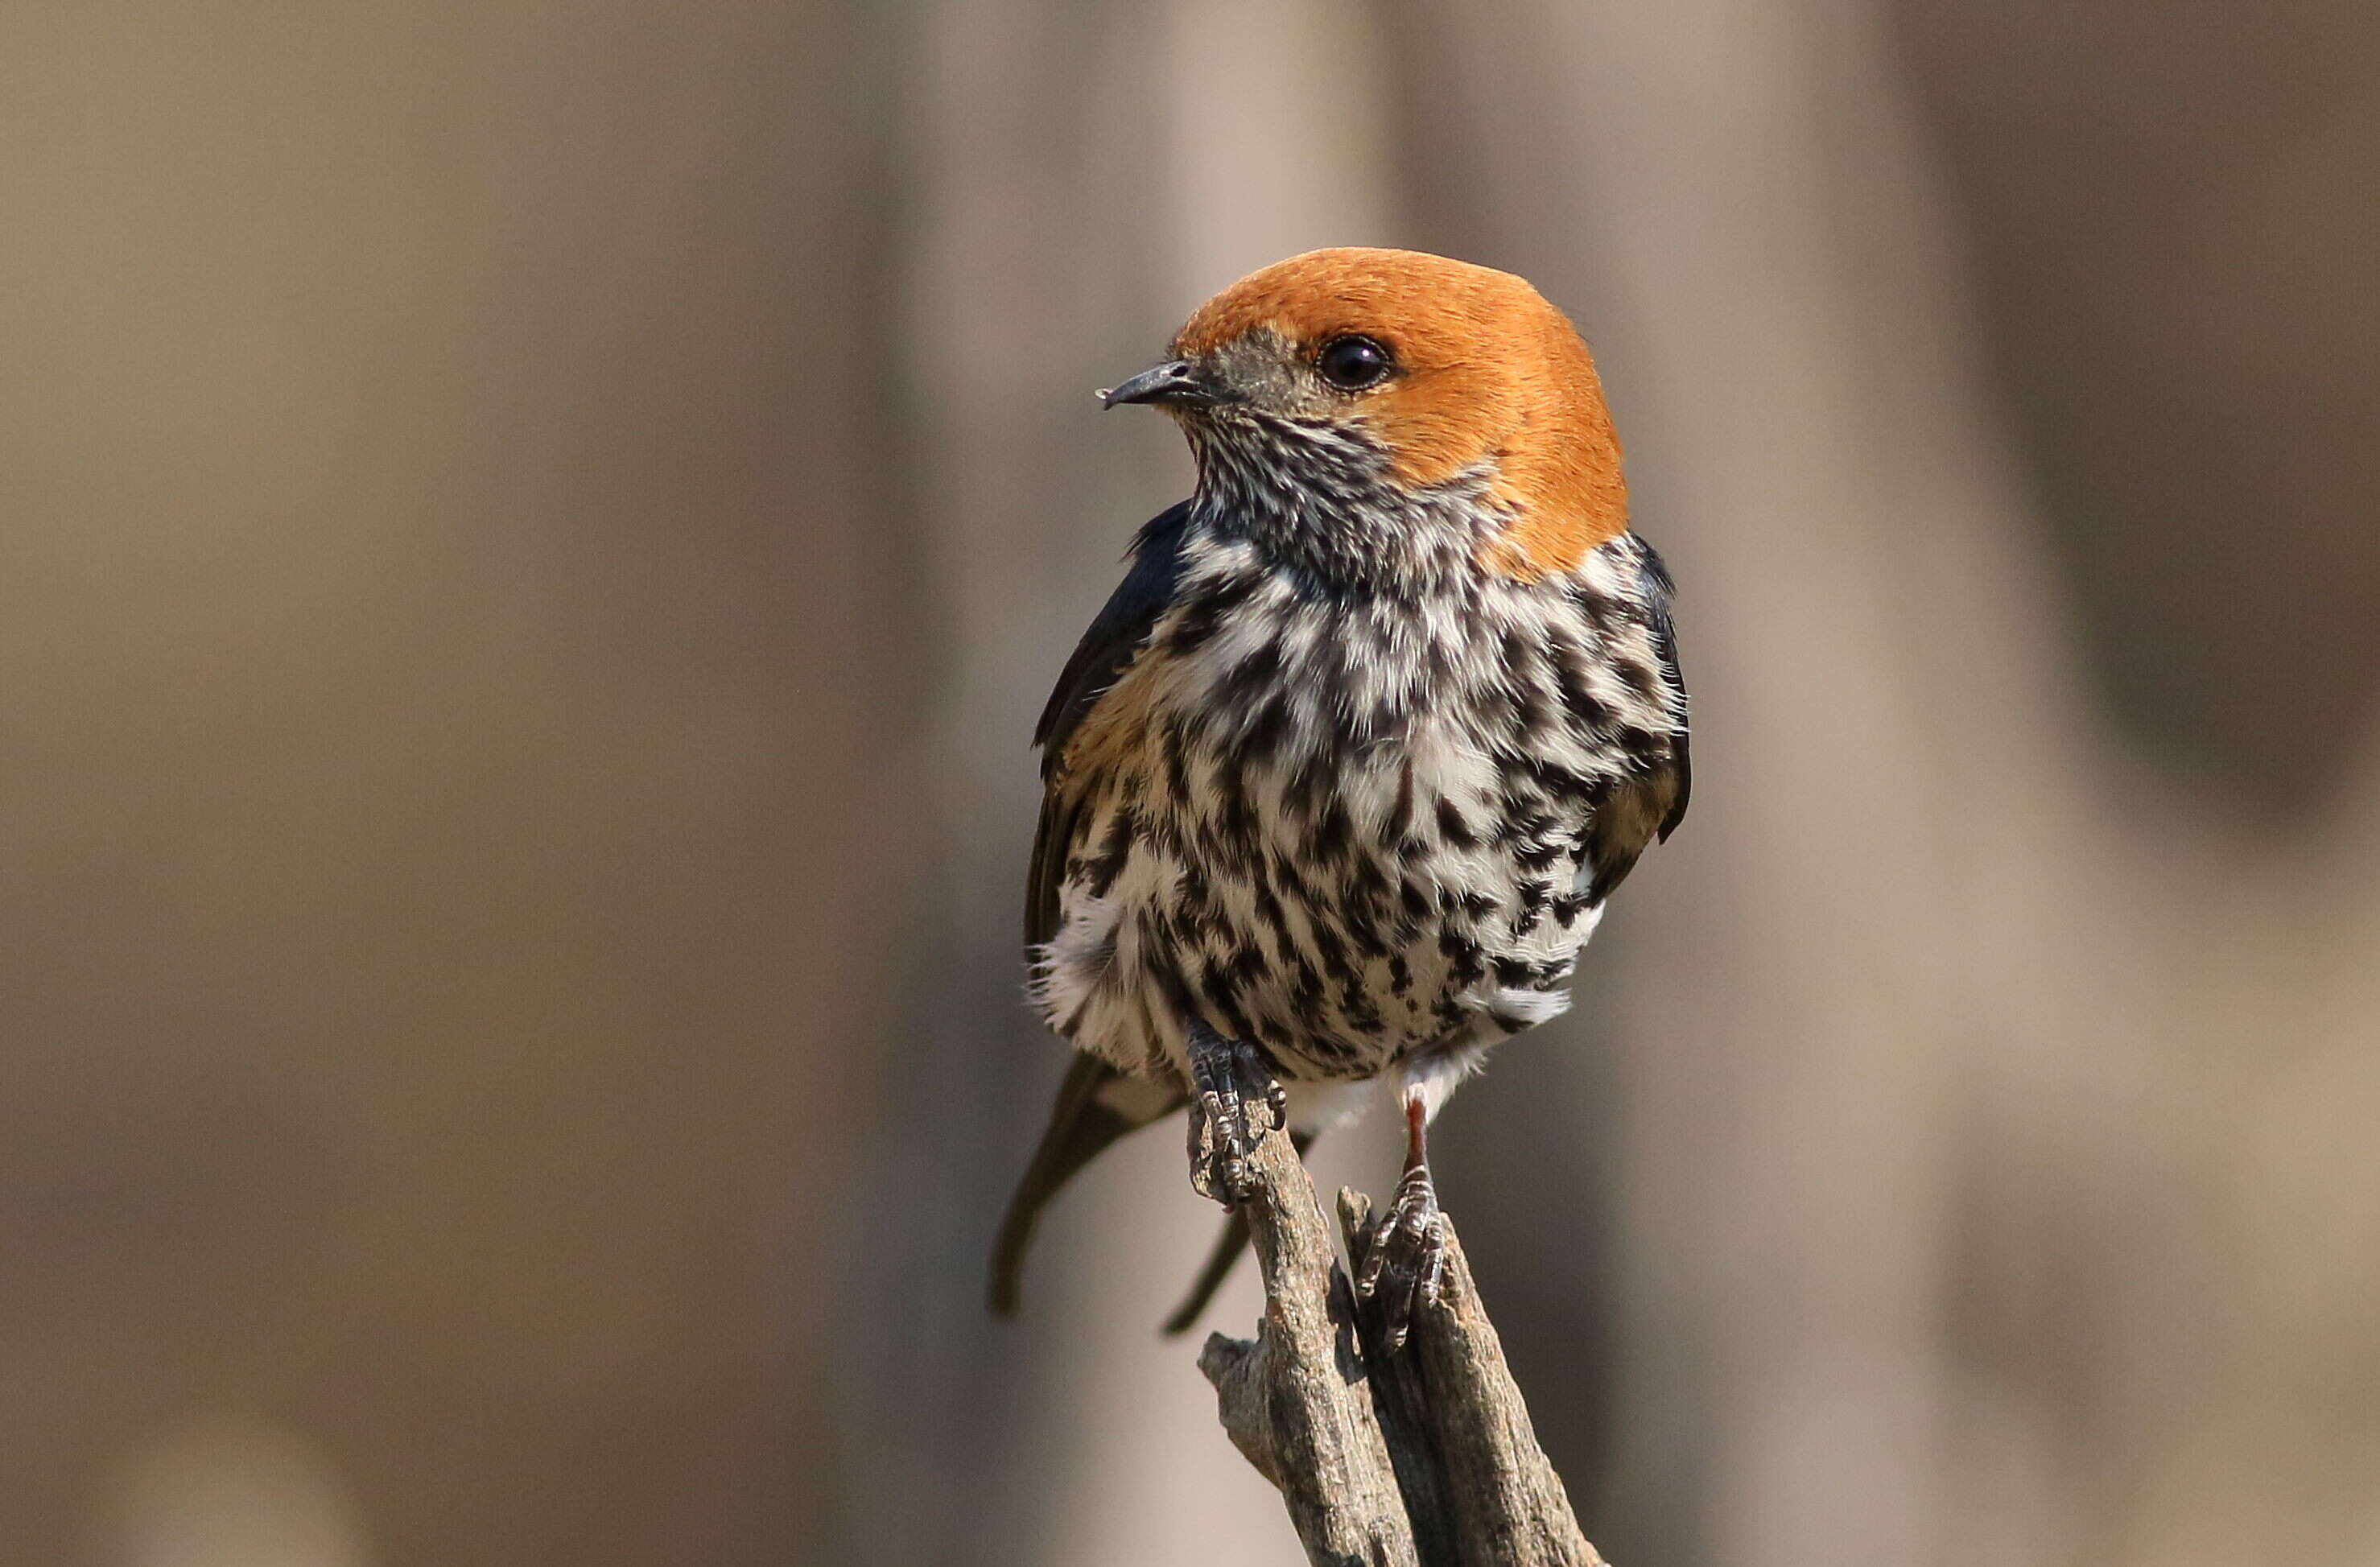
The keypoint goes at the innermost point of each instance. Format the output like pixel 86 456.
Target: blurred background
pixel 531 539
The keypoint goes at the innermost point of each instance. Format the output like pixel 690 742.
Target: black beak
pixel 1178 383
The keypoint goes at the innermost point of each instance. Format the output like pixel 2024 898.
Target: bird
pixel 1337 783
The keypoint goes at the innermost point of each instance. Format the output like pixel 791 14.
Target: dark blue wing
pixel 1115 637
pixel 1658 590
pixel 1650 803
pixel 1095 1106
pixel 1117 632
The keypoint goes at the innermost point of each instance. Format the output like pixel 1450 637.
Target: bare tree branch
pixel 1425 1456
pixel 1296 1401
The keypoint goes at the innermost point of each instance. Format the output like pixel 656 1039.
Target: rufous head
pixel 1456 376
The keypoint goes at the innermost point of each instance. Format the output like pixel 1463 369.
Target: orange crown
pixel 1492 375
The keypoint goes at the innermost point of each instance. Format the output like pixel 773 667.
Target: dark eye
pixel 1354 363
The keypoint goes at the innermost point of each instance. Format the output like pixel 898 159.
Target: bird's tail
pixel 1096 1105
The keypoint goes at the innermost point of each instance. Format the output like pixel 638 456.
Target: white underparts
pixel 1352 827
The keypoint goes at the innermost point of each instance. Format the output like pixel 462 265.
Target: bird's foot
pixel 1234 1099
pixel 1407 1259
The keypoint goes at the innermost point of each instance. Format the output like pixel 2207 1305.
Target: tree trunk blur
pixel 458 637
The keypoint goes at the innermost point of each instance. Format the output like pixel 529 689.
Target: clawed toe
pixel 1235 1101
pixel 1405 1262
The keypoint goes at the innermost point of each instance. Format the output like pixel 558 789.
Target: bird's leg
pixel 1407 1256
pixel 1234 1099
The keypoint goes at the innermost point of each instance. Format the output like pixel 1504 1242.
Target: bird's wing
pixel 1096 1104
pixel 1658 591
pixel 1107 649
pixel 1650 805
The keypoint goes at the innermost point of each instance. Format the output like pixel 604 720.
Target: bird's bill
pixel 1176 382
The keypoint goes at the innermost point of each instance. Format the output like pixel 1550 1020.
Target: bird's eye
pixel 1354 363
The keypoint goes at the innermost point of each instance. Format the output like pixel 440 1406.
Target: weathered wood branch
pixel 1423 1457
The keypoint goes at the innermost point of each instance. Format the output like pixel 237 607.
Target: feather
pixel 1096 1105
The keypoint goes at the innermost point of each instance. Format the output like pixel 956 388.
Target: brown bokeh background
pixel 531 537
